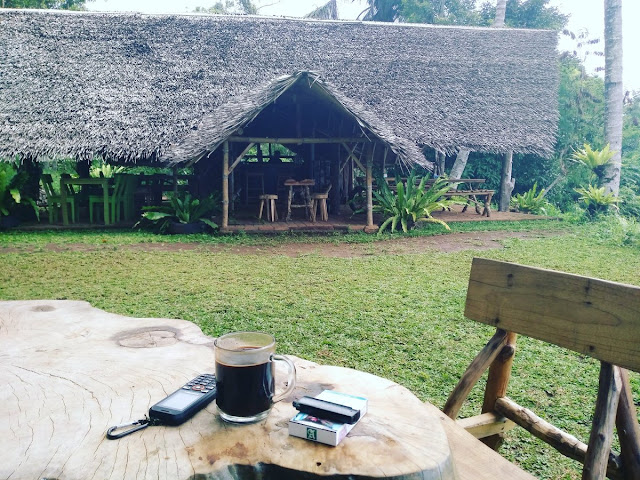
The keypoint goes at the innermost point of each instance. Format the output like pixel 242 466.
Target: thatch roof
pixel 226 119
pixel 129 87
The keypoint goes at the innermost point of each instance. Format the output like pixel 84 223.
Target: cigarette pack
pixel 325 431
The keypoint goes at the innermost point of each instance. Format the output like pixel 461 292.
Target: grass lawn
pixel 397 316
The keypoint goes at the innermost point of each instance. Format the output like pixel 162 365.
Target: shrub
pixel 410 203
pixel 11 184
pixel 183 209
pixel 531 201
pixel 596 200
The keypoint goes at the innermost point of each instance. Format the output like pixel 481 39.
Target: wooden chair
pixel 116 199
pixel 319 200
pixel 593 317
pixel 268 201
pixel 54 200
pixel 128 201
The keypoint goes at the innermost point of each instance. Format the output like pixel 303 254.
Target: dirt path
pixel 444 243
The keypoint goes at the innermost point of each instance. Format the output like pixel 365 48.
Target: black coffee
pixel 244 391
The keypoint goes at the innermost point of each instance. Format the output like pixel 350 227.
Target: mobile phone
pixel 184 403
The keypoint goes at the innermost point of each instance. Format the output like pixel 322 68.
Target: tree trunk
pixel 440 162
pixel 501 9
pixel 613 91
pixel 507 183
pixel 461 162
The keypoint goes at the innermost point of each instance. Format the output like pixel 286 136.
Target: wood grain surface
pixel 69 371
pixel 590 316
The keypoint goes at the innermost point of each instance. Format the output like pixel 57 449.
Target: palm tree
pixel 613 92
pixel 328 11
pixel 501 10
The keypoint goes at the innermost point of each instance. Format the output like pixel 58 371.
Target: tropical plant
pixel 594 160
pixel 11 183
pixel 183 208
pixel 596 199
pixel 531 201
pixel 104 170
pixel 411 202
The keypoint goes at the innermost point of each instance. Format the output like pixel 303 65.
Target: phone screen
pixel 179 400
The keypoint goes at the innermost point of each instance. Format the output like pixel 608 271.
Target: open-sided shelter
pixel 200 90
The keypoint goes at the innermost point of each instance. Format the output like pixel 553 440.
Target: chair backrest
pixel 593 317
pixel 119 185
pixel 70 190
pixel 47 185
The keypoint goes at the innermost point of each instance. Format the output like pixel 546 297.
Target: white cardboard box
pixel 326 431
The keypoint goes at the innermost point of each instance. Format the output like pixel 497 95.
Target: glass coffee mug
pixel 245 376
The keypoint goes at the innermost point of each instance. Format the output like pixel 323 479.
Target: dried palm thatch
pixel 228 118
pixel 127 87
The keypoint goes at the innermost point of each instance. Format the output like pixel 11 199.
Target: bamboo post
pixel 610 384
pixel 225 185
pixel 628 430
pixel 369 178
pixel 334 171
pixel 497 382
pixel 473 373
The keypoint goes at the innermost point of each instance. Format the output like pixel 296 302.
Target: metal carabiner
pixel 137 425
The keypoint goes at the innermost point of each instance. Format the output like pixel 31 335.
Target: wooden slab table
pixel 69 371
pixel 302 187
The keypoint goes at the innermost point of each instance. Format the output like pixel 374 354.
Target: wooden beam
pixel 628 430
pixel 352 156
pixel 225 185
pixel 610 385
pixel 565 443
pixel 298 140
pixel 240 157
pixel 473 373
pixel 486 424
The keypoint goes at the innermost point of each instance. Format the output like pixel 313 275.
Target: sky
pixel 584 15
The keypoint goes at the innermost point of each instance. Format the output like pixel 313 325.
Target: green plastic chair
pixel 115 199
pixel 54 200
pixel 128 203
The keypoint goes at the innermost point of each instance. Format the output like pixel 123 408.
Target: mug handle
pixel 291 380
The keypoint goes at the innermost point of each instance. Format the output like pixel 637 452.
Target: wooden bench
pixel 472 198
pixel 593 317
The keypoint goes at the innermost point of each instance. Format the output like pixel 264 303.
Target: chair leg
pixel 312 210
pixel 261 208
pixel 272 210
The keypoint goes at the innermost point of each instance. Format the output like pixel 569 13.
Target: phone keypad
pixel 202 383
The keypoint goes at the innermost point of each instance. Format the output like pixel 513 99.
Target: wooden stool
pixel 319 200
pixel 270 202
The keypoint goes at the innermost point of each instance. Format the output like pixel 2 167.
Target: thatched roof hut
pixel 134 87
